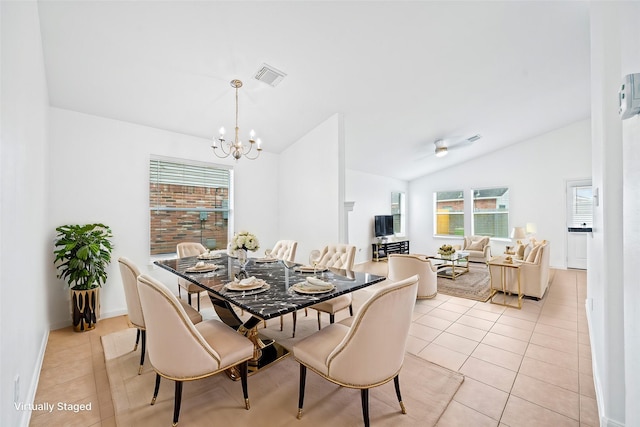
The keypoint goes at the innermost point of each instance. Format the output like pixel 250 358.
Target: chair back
pixel 285 250
pixel 338 256
pixel 187 249
pixel 402 266
pixel 177 350
pixel 385 318
pixel 129 272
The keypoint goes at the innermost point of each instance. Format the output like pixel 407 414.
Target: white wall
pixel 372 196
pixel 25 250
pixel 312 189
pixel 535 172
pixel 100 173
pixel 612 284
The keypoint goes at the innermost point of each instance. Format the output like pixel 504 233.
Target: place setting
pixel 202 267
pixel 313 266
pixel 247 286
pixel 209 255
pixel 268 258
pixel 313 285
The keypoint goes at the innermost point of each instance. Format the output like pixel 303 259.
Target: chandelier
pixel 236 148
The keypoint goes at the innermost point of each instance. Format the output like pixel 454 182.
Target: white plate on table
pixel 266 260
pixel 209 256
pixel 202 269
pixel 303 288
pixel 236 286
pixel 309 269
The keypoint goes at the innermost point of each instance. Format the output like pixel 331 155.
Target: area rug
pixel 427 390
pixel 473 285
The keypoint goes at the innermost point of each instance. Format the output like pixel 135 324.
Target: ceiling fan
pixel 442 146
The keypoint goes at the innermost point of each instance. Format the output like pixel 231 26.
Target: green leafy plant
pixel 83 253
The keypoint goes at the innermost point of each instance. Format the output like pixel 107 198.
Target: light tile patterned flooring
pixel 529 367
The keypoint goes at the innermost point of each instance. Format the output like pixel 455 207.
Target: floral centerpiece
pixel 246 241
pixel 446 250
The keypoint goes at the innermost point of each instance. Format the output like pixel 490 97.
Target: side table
pixel 504 269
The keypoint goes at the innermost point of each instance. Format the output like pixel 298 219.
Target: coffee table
pixel 451 266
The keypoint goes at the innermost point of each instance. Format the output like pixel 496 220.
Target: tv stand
pixel 381 250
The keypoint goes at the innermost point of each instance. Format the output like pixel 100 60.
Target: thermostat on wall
pixel 629 96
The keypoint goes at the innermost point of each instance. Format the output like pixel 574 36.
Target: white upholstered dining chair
pixel 336 256
pixel 130 272
pixel 182 351
pixel 402 266
pixel 285 250
pixel 366 351
pixel 184 250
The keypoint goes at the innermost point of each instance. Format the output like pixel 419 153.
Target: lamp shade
pixel 518 233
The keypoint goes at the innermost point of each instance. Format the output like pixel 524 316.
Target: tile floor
pixel 529 367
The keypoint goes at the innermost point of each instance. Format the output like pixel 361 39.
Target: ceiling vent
pixel 270 75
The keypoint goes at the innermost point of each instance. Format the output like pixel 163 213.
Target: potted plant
pixel 82 254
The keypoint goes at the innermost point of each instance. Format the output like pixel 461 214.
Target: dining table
pixel 279 289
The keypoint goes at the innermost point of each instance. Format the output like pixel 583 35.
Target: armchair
pixel 402 266
pixel 478 247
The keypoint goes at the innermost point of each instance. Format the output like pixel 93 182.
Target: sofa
pixel 534 270
pixel 478 247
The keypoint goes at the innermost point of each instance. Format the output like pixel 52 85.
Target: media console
pixel 381 250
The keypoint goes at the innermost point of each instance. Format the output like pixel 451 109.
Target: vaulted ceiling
pixel 402 74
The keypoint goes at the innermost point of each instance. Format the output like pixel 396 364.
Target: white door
pixel 579 222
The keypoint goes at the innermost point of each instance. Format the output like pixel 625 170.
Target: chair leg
pixel 319 326
pixel 189 297
pixel 396 382
pixel 179 291
pixel 156 388
pixel 295 319
pixel 351 310
pixel 303 378
pixel 198 301
pixel 332 318
pixel 177 402
pixel 135 347
pixel 364 395
pixel 144 349
pixel 281 323
pixel 244 369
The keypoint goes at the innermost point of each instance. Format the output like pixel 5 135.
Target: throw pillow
pixel 533 254
pixel 476 246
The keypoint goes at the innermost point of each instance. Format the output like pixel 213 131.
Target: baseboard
pixel 35 379
pixel 604 420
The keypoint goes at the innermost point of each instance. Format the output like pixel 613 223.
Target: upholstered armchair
pixel 184 250
pixel 478 247
pixel 534 272
pixel 130 272
pixel 336 256
pixel 402 266
pixel 366 352
pixel 182 351
pixel 285 250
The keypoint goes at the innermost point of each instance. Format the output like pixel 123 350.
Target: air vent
pixel 474 138
pixel 270 75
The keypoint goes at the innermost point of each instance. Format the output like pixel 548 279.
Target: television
pixel 383 225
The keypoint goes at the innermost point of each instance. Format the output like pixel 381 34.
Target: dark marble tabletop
pixel 279 298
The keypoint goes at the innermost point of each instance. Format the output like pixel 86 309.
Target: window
pixel 491 212
pixel 398 212
pixel 188 202
pixel 581 206
pixel 449 213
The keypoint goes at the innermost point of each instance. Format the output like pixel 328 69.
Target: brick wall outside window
pixel 169 227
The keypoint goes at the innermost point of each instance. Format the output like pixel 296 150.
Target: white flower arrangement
pixel 245 240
